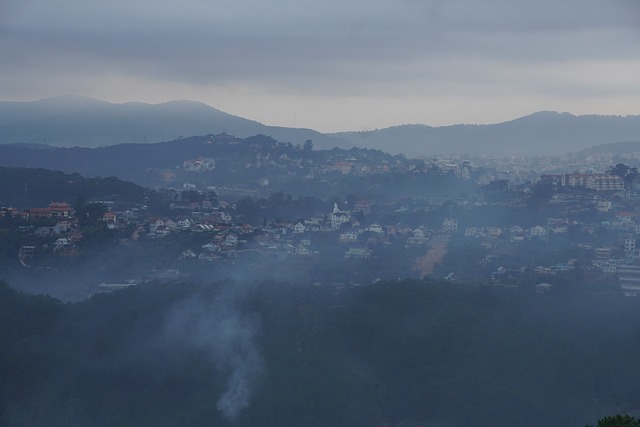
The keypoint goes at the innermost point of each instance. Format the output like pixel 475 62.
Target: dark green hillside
pixel 144 163
pixel 27 187
pixel 395 353
pixel 255 166
pixel 625 147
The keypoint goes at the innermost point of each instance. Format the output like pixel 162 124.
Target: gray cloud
pixel 311 48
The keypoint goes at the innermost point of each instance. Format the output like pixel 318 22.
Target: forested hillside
pixel 393 353
pixel 29 187
pixel 257 165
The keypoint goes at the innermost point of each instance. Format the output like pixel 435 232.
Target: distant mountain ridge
pixel 85 122
pixel 623 147
pixel 68 121
pixel 542 133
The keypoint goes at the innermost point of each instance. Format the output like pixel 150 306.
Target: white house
pixel 349 236
pixel 376 228
pixel 162 231
pixel 61 243
pixel 494 232
pixel 338 217
pixel 303 250
pixel 450 224
pixel 211 247
pixel 231 240
pixel 154 223
pixel 419 234
pixel 538 231
pixel 357 252
pixel 184 223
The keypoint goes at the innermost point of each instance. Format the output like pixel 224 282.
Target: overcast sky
pixel 331 64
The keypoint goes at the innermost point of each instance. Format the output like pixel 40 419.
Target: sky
pixel 331 65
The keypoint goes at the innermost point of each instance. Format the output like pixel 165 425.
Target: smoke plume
pixel 227 335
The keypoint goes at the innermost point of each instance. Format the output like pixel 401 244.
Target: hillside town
pixel 578 226
pixel 319 213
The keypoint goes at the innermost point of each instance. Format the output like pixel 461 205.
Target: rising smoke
pixel 218 326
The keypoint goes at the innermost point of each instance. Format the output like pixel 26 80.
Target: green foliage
pixel 412 352
pixel 26 322
pixel 628 174
pixel 618 421
pixel 192 196
pixel 90 213
pixel 28 188
pixel 542 192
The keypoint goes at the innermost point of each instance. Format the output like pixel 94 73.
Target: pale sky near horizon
pixel 331 65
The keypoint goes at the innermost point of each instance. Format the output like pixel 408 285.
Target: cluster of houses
pixel 517 233
pixel 295 238
pixel 56 210
pixel 55 227
pixel 269 153
pixel 344 231
pixel 596 182
pixel 201 164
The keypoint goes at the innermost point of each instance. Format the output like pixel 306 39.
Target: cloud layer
pixel 331 65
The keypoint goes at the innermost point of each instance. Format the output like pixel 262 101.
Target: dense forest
pixel 272 353
pixel 29 187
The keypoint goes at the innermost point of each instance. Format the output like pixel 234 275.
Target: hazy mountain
pixel 86 122
pixel 623 147
pixel 543 133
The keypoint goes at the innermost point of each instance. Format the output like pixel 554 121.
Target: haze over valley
pixel 360 213
pixel 218 231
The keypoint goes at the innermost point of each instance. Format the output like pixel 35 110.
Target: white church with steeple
pixel 338 217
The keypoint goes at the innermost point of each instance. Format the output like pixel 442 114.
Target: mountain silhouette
pixel 85 122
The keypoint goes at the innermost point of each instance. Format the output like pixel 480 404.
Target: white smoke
pixel 227 335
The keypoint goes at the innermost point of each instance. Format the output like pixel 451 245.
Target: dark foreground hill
pixel 395 353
